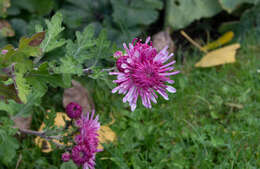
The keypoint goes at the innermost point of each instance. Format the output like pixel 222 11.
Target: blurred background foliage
pixel 124 19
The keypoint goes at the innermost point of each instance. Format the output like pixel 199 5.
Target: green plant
pixel 39 63
pixel 180 14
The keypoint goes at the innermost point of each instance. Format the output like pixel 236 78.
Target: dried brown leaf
pixel 80 95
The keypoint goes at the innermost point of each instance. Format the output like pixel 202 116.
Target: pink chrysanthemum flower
pixel 142 71
pixel 87 141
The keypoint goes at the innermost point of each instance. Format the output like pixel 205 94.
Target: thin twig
pixel 39 133
pixel 19 161
pixel 43 135
pixel 89 71
pixel 193 42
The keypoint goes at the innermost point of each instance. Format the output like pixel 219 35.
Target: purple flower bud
pixel 4 51
pixel 66 156
pixel 73 110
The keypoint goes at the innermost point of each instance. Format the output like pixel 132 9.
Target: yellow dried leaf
pixel 224 39
pixel 106 135
pixel 219 56
pixel 45 144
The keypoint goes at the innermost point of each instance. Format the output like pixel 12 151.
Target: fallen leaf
pixel 80 95
pixel 162 39
pixel 224 39
pixel 45 144
pixel 219 56
pixel 106 135
pixel 22 122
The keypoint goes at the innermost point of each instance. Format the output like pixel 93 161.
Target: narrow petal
pixel 170 81
pixel 115 73
pixel 147 39
pixel 168 64
pixel 116 89
pixel 163 94
pixel 170 73
pixel 171 89
pixel 133 106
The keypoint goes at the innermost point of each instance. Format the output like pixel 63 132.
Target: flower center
pixel 146 76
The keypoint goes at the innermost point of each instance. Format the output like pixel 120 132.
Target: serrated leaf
pixel 181 13
pixel 77 52
pixel 41 77
pixel 22 87
pixel 54 28
pixel 84 41
pixel 69 66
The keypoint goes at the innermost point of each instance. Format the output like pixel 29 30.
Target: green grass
pixel 213 121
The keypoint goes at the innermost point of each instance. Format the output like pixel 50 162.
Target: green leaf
pixel 35 6
pixel 68 165
pixel 41 77
pixel 54 28
pixel 231 5
pixel 181 13
pixel 16 109
pixel 4 4
pixel 102 47
pixel 131 15
pixel 249 27
pixel 10 108
pixel 8 148
pixel 29 46
pixel 23 88
pixel 77 52
pixel 69 65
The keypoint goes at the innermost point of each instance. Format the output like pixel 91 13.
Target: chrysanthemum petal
pixel 168 64
pixel 170 73
pixel 171 89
